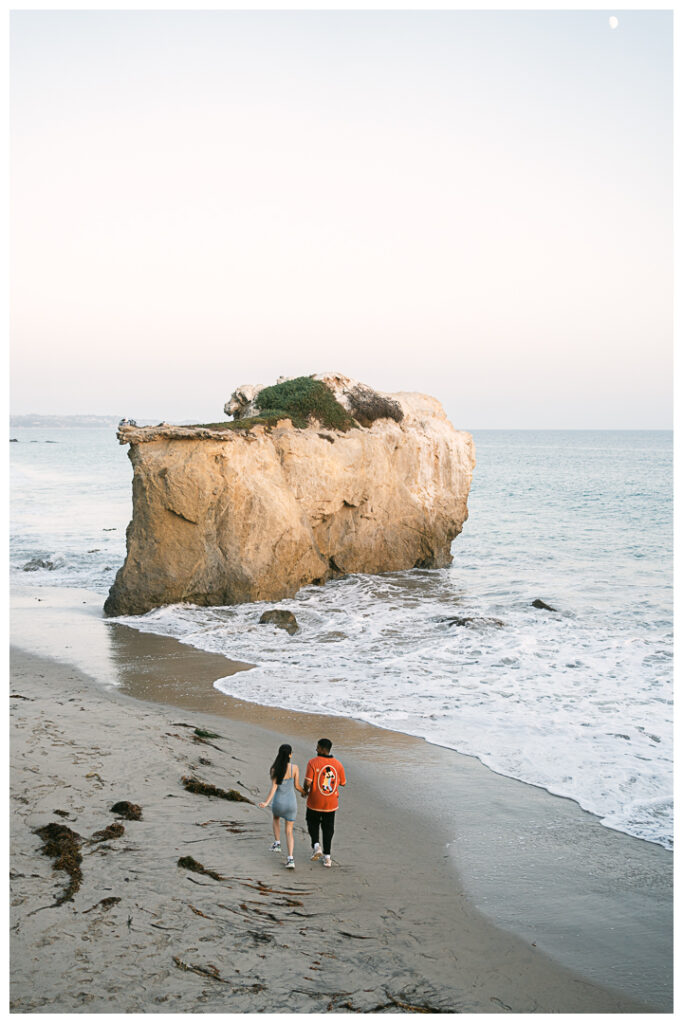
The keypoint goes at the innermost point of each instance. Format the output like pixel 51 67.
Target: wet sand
pixel 452 888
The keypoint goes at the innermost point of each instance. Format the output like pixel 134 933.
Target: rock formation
pixel 228 513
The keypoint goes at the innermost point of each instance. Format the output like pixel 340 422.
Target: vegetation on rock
pixel 367 406
pixel 302 399
pixel 268 419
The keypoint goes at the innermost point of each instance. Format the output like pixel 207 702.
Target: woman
pixel 285 779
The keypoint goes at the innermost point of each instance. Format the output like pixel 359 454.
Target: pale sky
pixel 477 205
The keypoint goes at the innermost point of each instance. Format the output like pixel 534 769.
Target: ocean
pixel 577 700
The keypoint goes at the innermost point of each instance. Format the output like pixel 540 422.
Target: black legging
pixel 317 819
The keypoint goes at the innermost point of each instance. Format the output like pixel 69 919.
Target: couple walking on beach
pixel 324 775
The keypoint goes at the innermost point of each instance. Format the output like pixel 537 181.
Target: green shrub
pixel 301 399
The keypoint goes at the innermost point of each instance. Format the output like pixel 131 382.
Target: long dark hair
pixel 279 765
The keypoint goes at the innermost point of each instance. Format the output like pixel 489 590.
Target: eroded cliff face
pixel 221 518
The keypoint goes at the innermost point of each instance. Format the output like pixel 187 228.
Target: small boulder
pixel 458 621
pixel 282 619
pixel 541 604
pixel 38 563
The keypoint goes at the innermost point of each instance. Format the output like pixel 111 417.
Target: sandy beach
pixel 452 889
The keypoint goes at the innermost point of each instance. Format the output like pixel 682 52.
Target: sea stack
pixel 316 477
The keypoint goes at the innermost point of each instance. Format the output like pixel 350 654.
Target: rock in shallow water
pixel 473 621
pixel 38 563
pixel 282 619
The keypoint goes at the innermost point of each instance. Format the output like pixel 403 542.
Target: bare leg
pixel 276 829
pixel 289 833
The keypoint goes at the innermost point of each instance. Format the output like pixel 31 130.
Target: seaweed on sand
pixel 63 845
pixel 112 831
pixel 193 785
pixel 211 971
pixel 392 1005
pixel 107 903
pixel 132 812
pixel 190 864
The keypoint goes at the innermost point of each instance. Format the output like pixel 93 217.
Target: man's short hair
pixel 325 744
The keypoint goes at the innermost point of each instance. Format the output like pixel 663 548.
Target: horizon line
pixel 155 421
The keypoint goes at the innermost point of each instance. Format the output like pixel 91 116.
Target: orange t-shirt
pixel 326 775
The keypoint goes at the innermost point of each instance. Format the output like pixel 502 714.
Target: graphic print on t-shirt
pixel 328 780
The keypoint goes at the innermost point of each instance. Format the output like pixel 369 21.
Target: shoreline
pixel 505 852
pixel 111 644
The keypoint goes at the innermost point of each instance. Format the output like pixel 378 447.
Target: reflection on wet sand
pixel 161 669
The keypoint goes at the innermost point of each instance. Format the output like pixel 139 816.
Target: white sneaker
pixel 290 862
pixel 275 848
pixel 327 861
pixel 317 852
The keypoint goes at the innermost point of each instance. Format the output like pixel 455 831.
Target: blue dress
pixel 284 801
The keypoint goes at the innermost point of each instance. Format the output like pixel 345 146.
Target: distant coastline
pixel 84 420
pixel 38 420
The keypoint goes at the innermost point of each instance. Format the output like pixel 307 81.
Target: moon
pixel 613 22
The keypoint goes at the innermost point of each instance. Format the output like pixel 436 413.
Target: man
pixel 324 776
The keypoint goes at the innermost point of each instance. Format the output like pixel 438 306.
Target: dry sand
pixel 394 926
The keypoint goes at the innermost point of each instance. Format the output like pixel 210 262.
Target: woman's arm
pixel 295 776
pixel 270 795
